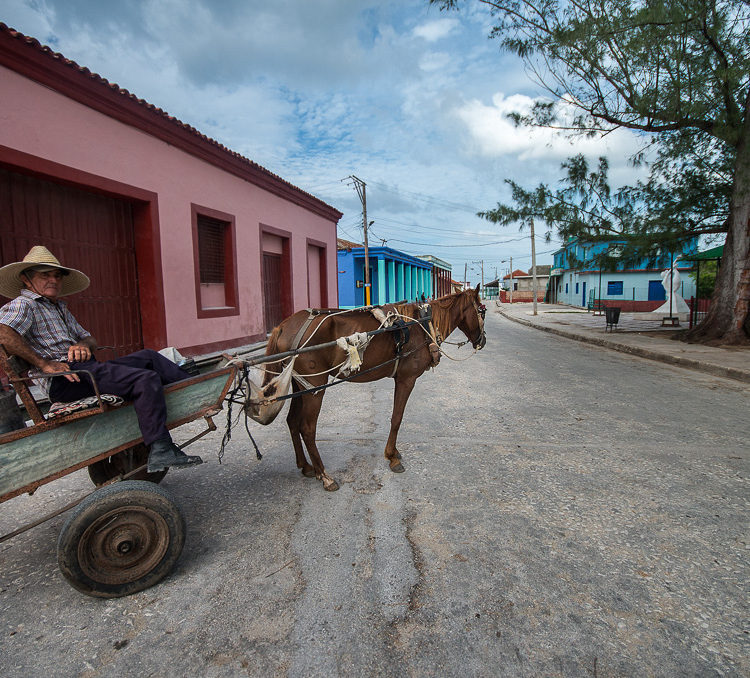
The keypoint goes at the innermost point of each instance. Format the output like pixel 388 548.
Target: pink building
pixel 187 243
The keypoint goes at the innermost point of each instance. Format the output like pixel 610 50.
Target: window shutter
pixel 211 250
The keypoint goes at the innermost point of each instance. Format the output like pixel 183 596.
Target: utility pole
pixel 511 280
pixel 482 264
pixel 465 265
pixel 533 266
pixel 360 186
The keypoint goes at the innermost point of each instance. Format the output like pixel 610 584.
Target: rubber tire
pixel 103 471
pixel 105 523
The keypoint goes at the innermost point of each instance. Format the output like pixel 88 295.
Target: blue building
pixel 441 275
pixel 394 275
pixel 576 280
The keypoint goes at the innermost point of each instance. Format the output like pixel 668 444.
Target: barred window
pixel 614 288
pixel 211 249
pixel 215 262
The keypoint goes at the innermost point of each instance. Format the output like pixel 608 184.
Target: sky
pixel 410 100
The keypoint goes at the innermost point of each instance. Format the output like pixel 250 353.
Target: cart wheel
pixel 124 462
pixel 121 539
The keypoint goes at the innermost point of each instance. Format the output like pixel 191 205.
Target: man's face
pixel 46 283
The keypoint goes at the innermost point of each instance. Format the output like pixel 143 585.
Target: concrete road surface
pixel 566 511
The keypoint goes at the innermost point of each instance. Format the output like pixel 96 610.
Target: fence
pixel 521 296
pixel 698 310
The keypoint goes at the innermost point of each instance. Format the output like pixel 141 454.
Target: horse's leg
pixel 400 396
pixel 308 427
pixel 293 422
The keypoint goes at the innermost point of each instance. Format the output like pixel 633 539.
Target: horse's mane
pixel 443 310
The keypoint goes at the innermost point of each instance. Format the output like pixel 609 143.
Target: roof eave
pixel 29 58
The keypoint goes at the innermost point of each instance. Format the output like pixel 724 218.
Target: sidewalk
pixel 633 334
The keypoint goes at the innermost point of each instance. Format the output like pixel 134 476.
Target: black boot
pixel 164 453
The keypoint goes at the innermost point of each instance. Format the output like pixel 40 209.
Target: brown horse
pixel 462 310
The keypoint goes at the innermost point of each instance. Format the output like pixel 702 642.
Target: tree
pixel 677 69
pixel 585 208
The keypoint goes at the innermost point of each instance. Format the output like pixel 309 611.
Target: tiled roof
pixel 147 109
pixel 342 244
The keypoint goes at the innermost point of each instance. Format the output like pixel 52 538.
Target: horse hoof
pixel 398 467
pixel 308 472
pixel 330 486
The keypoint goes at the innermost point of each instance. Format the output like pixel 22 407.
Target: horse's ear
pixel 476 289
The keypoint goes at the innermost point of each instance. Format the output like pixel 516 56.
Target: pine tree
pixel 675 69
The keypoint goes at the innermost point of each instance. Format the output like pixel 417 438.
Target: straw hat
pixel 40 259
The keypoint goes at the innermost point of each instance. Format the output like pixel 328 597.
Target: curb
pixel 690 363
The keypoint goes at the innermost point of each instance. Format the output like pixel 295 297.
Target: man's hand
pixel 52 368
pixel 77 353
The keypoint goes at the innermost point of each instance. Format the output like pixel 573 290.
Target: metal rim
pixel 123 545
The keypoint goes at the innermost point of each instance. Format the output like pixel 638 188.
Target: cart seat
pixel 61 409
pixel 16 369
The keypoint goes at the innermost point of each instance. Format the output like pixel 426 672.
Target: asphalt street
pixel 565 511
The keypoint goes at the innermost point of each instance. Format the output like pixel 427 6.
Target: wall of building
pixel 575 288
pixel 56 137
pixel 395 276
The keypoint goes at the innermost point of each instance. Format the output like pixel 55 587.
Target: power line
pixel 419 227
pixel 426 198
pixel 433 244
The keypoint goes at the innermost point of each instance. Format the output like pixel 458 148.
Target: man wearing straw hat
pixel 38 327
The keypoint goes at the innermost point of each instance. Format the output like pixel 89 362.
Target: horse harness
pixel 388 320
pixel 402 334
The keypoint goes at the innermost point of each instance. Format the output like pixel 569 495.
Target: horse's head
pixel 471 320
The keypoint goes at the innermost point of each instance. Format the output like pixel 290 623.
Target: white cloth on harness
pixel 354 346
pixel 262 405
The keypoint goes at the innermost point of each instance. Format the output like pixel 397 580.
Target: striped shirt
pixel 48 327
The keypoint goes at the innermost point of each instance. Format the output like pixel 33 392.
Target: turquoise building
pixel 394 276
pixel 577 281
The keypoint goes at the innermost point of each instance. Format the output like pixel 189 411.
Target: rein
pixel 439 341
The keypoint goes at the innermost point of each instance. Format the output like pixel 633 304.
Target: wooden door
pixel 273 312
pixel 87 231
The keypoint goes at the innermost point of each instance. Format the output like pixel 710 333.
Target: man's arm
pixel 15 344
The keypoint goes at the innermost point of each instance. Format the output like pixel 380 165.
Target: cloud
pixel 491 134
pixel 433 31
pixel 394 92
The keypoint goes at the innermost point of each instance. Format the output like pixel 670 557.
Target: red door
pixel 87 231
pixel 273 312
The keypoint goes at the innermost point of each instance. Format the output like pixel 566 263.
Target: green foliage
pixel 707 279
pixel 586 208
pixel 650 65
pixel 675 68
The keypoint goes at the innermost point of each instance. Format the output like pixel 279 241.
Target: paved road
pixel 565 511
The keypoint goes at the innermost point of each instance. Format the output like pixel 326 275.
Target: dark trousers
pixel 139 377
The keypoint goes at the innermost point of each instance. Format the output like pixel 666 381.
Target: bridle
pixel 481 339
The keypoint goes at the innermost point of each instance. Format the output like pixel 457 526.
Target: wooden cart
pixel 126 535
